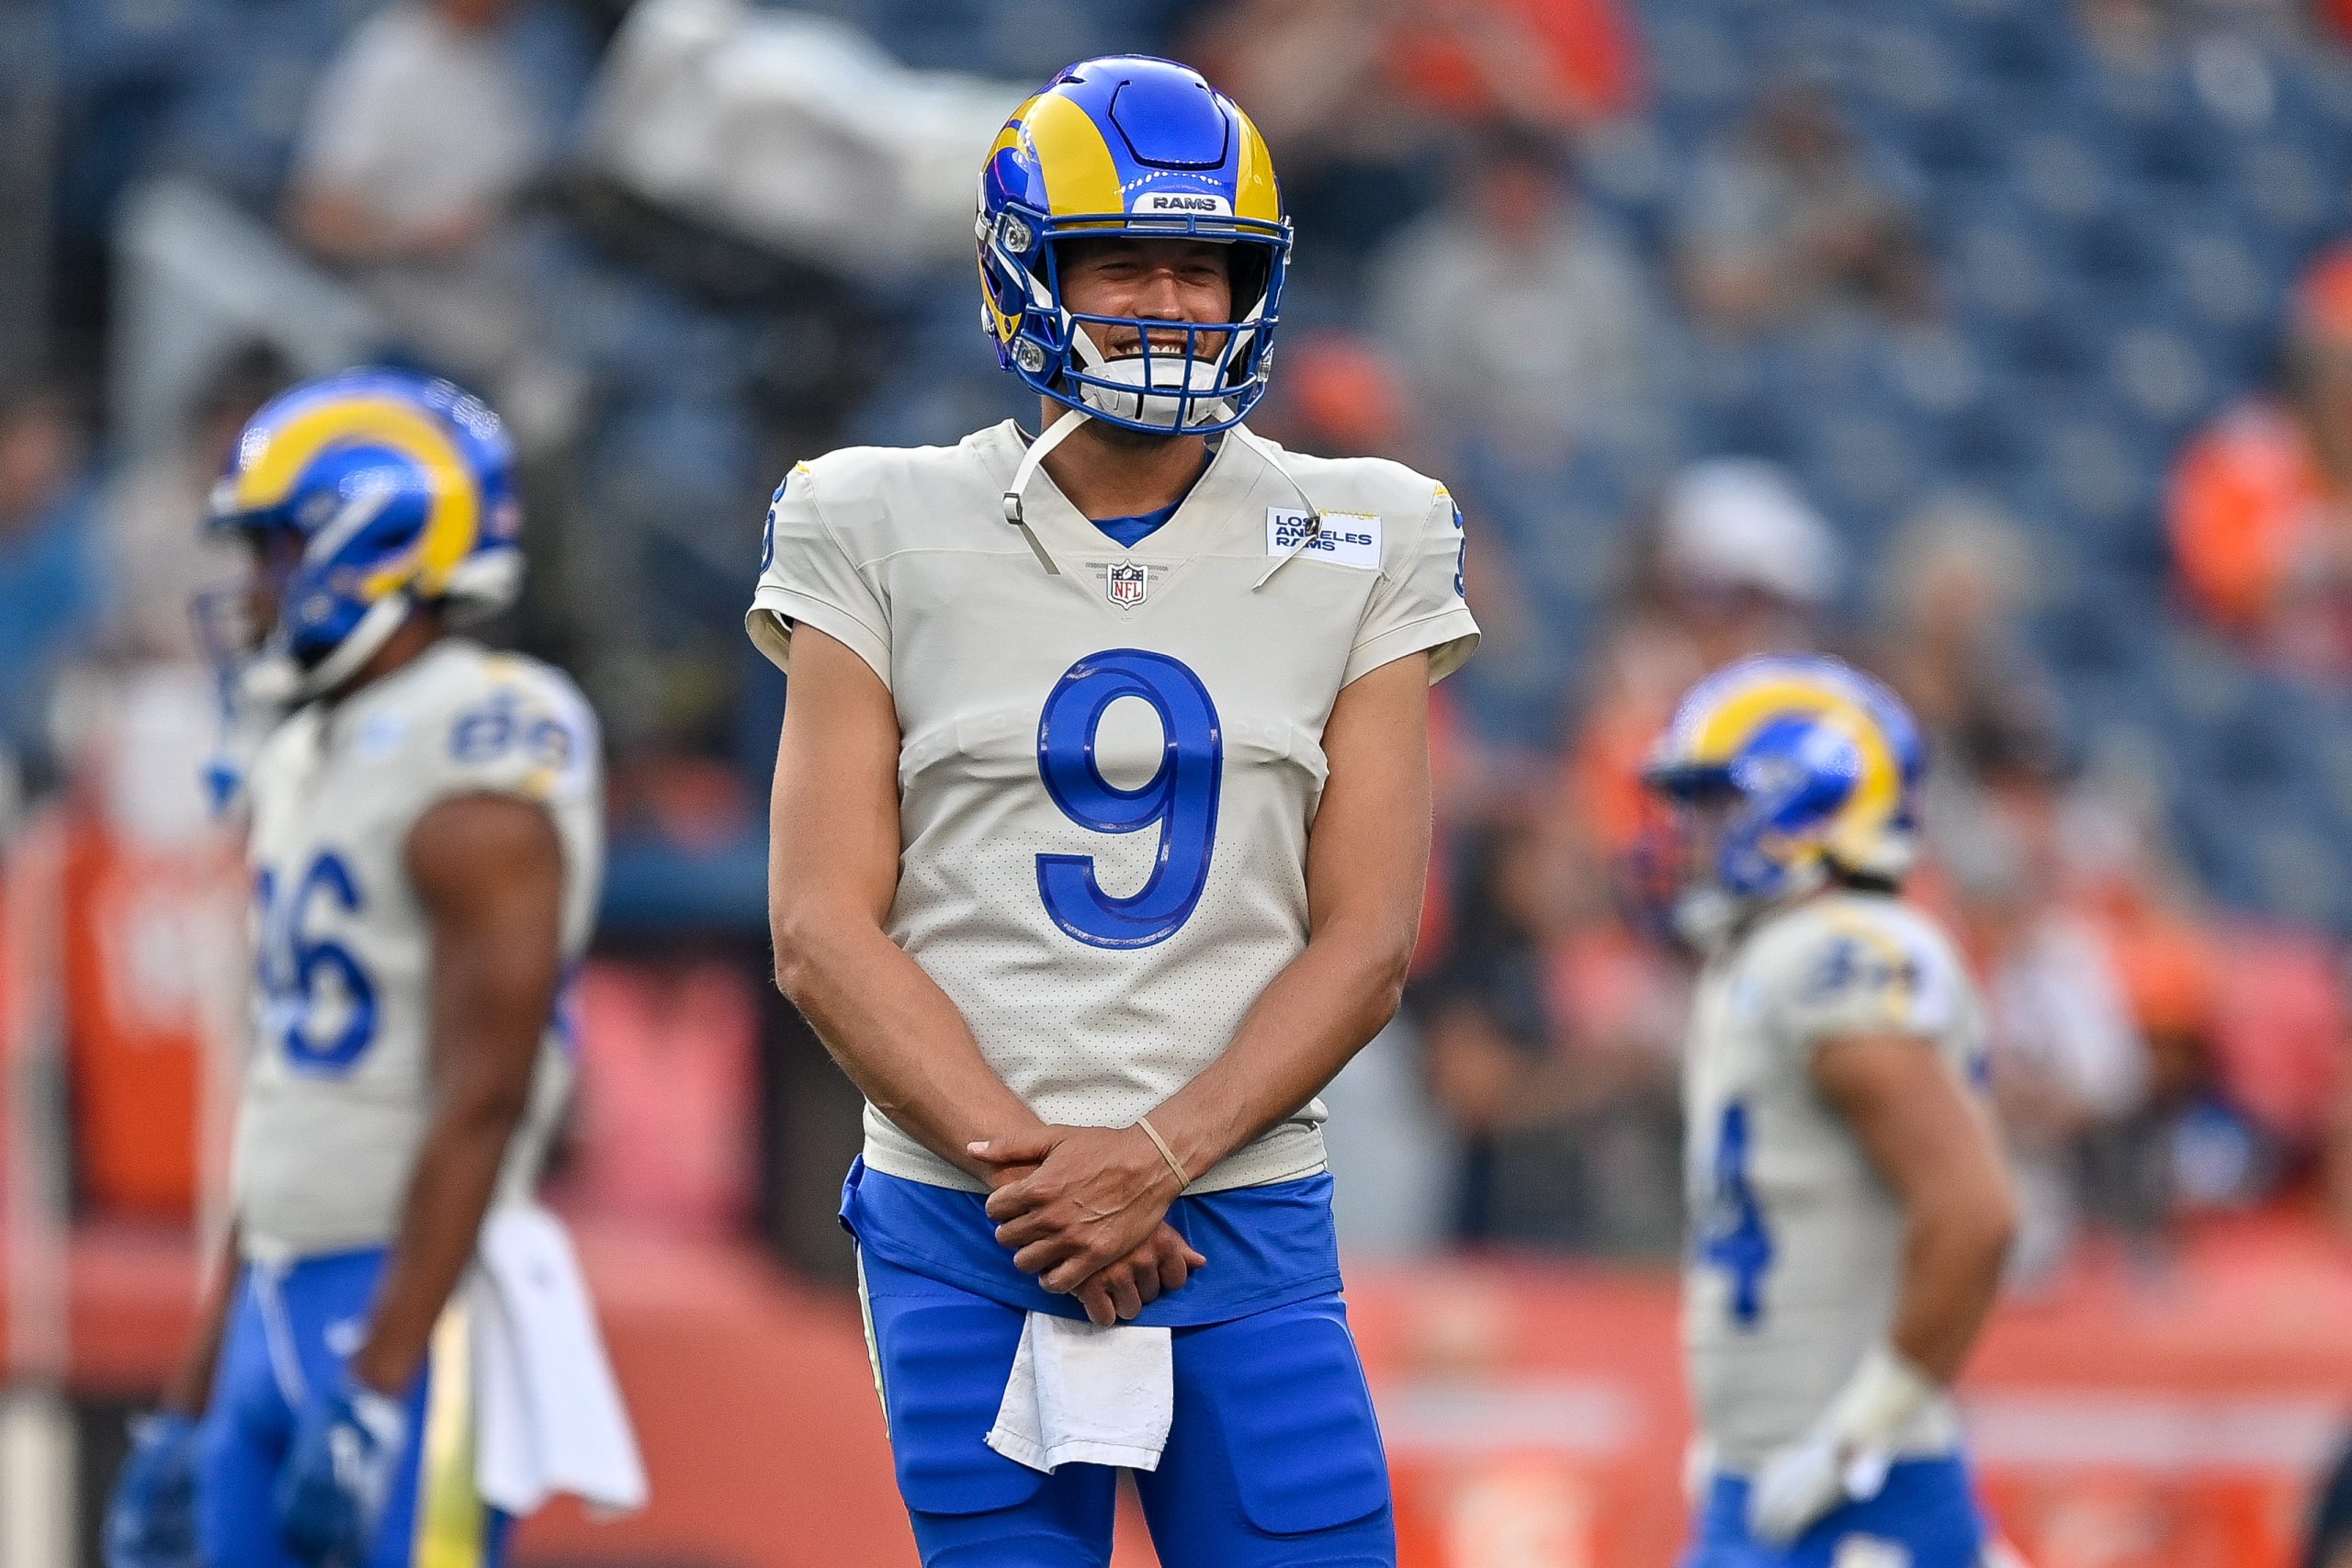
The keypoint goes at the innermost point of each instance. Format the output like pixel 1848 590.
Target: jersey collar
pixel 1208 509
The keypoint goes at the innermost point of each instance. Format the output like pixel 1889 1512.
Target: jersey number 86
pixel 301 978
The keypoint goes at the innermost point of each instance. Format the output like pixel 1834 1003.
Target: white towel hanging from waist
pixel 551 1413
pixel 1079 1394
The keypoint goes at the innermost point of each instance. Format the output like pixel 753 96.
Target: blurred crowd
pixel 2003 347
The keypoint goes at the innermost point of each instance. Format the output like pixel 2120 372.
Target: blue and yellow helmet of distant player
pixel 1816 766
pixel 396 489
pixel 1136 146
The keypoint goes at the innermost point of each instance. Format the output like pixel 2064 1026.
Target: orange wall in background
pixel 144 932
pixel 1533 1413
pixel 1535 1416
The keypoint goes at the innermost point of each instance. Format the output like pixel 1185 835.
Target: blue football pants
pixel 1925 1517
pixel 1273 1460
pixel 288 1331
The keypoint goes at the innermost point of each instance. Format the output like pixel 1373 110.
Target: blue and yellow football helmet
pixel 390 490
pixel 1130 145
pixel 1815 766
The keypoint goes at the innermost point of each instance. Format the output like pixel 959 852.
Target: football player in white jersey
pixel 1851 1211
pixel 425 844
pixel 1100 816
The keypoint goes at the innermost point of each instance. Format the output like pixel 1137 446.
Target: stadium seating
pixel 2111 247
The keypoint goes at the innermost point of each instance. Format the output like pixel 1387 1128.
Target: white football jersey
pixel 335 1091
pixel 1796 1242
pixel 1107 772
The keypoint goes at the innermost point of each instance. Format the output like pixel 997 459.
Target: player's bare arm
pixel 1932 1143
pixel 190 1389
pixel 1097 1189
pixel 489 870
pixel 1934 1151
pixel 832 872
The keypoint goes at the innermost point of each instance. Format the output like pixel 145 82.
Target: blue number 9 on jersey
pixel 1180 798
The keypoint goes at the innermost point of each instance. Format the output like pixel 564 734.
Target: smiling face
pixel 1158 280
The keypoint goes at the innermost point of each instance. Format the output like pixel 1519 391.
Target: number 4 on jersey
pixel 1732 1234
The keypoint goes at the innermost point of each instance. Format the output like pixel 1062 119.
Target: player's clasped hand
pixel 151 1523
pixel 1089 1219
pixel 1123 1288
pixel 330 1495
pixel 1806 1479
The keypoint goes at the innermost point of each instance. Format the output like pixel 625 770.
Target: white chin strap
pixel 482 585
pixel 1143 373
pixel 1709 916
pixel 1706 918
pixel 1052 436
pixel 266 685
pixel 384 618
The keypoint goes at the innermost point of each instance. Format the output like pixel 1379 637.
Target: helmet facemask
pixel 1206 382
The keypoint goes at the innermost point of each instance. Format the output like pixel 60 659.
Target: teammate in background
pixel 425 842
pixel 1852 1212
pixel 1101 816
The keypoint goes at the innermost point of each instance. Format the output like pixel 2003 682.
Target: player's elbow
pixel 1978 1223
pixel 1993 1215
pixel 797 927
pixel 1996 1227
pixel 1388 988
pixel 490 1105
pixel 1385 959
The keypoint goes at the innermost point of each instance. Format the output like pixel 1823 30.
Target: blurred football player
pixel 1101 816
pixel 425 842
pixel 1850 1209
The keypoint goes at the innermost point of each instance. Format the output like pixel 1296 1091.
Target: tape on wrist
pixel 1184 1177
pixel 1882 1398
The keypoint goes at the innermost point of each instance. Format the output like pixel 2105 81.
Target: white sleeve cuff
pixel 776 610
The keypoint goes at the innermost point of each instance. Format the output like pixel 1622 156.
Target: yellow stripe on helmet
pixel 1255 193
pixel 1003 325
pixel 452 521
pixel 1741 713
pixel 1011 135
pixel 1081 177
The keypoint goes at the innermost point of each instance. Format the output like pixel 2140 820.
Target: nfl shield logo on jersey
pixel 1126 582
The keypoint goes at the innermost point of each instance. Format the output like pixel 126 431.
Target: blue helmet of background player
pixel 383 490
pixel 1132 146
pixel 1814 769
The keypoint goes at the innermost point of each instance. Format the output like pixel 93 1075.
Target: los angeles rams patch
pixel 1343 538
